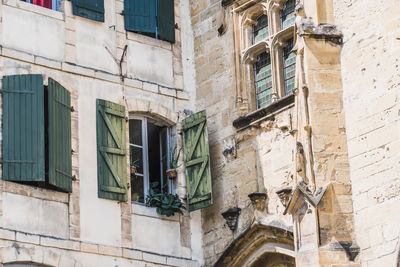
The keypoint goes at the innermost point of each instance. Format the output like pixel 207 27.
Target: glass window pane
pixel 260 30
pixel 289 66
pixel 263 80
pixel 288 14
pixel 135 132
pixel 136 156
pixel 137 188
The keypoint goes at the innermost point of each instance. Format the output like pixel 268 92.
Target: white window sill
pixel 142 210
pixel 34 9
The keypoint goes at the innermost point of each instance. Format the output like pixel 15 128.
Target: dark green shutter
pixel 23 128
pixel 166 20
pixel 111 150
pixel 90 9
pixel 140 15
pixel 197 161
pixel 59 136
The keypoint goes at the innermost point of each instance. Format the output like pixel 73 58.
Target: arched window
pixel 149 150
pixel 288 15
pixel 260 29
pixel 263 79
pixel 289 66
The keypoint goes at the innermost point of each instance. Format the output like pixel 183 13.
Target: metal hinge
pixel 65 105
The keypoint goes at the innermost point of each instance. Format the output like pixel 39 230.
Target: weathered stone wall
pixel 371 90
pixel 80 229
pixel 257 158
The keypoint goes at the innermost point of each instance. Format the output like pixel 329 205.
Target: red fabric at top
pixel 43 3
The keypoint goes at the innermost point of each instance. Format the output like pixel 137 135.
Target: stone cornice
pixel 263 113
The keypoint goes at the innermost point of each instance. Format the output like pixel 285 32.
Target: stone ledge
pixel 142 210
pixel 267 112
pixel 35 192
pixel 34 9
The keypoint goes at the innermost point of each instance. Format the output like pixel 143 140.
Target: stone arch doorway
pixel 260 246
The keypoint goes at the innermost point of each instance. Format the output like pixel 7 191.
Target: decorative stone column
pixel 321 202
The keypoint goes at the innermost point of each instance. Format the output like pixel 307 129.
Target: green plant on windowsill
pixel 133 166
pixel 165 204
pixel 173 163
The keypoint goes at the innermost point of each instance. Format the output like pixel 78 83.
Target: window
pixel 289 66
pixel 260 30
pixel 51 4
pixel 269 65
pixel 154 18
pixel 36 132
pixel 148 142
pixel 263 79
pixel 288 14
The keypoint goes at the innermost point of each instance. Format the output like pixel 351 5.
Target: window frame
pixel 55 4
pixel 273 44
pixel 145 154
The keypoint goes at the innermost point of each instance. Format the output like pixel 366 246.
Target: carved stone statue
pixel 300 162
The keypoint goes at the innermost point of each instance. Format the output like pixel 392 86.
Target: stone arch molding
pixel 257 243
pixel 35 255
pixel 153 109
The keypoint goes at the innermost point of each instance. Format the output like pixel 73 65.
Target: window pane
pixel 135 132
pixel 137 188
pixel 260 30
pixel 164 159
pixel 289 66
pixel 288 14
pixel 136 156
pixel 153 137
pixel 263 80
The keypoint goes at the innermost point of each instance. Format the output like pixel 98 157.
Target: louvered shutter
pixel 166 20
pixel 59 136
pixel 140 15
pixel 197 161
pixel 23 128
pixel 90 9
pixel 111 151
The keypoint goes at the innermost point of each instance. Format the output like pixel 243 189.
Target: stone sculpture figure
pixel 300 162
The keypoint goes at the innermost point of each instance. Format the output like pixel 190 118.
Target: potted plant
pixel 165 204
pixel 133 166
pixel 173 163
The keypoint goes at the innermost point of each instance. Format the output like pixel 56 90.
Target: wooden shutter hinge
pixel 65 105
pixel 72 177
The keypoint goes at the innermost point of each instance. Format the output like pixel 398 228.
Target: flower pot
pixel 171 174
pixel 133 170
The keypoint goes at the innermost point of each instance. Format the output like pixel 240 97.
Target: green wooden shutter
pixel 197 161
pixel 111 150
pixel 90 9
pixel 166 20
pixel 23 128
pixel 140 15
pixel 59 136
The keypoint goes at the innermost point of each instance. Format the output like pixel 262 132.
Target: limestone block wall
pixel 257 158
pixel 96 60
pixel 370 67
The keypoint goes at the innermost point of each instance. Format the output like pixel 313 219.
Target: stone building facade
pixel 93 57
pixel 324 156
pixel 302 104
